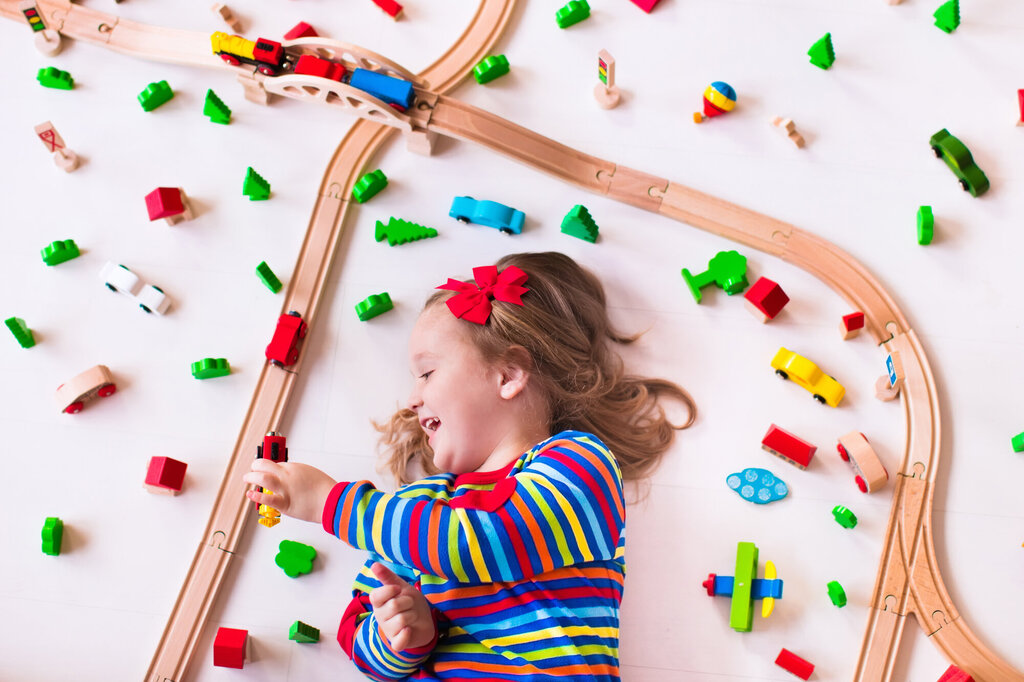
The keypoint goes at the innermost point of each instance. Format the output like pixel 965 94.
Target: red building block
pixel 645 5
pixel 169 203
pixel 311 65
pixel 787 446
pixel 165 475
pixel 794 664
pixel 765 299
pixel 393 9
pixel 301 30
pixel 955 674
pixel 229 648
pixel 851 325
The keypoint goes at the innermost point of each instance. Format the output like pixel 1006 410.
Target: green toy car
pixel 959 159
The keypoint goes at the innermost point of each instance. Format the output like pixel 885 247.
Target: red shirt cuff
pixel 331 506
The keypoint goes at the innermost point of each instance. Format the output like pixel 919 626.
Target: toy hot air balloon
pixel 719 98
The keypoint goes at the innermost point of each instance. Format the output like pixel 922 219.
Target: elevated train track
pixel 908 580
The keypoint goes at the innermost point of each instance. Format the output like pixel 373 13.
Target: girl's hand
pixel 403 613
pixel 298 490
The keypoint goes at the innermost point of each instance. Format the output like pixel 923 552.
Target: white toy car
pixel 150 298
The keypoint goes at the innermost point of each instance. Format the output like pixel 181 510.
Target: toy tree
pixel 821 53
pixel 215 108
pixel 947 16
pixel 254 186
pixel 399 231
pixel 579 223
pixel 728 269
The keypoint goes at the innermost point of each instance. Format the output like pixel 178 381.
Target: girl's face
pixel 457 395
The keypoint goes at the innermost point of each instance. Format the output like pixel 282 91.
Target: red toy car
pixel 310 65
pixel 283 349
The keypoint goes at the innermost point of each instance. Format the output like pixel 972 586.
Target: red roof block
pixel 767 298
pixel 645 5
pixel 794 664
pixel 853 321
pixel 229 648
pixel 301 30
pixel 787 446
pixel 955 674
pixel 164 202
pixel 393 9
pixel 165 475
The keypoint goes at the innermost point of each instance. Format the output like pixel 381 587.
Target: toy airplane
pixel 745 588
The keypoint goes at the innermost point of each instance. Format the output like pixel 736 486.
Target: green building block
pixel 925 225
pixel 573 12
pixel 844 517
pixel 60 251
pixel 53 534
pixel 254 186
pixel 947 16
pixel 155 95
pixel 300 632
pixel 578 223
pixel 215 108
pixel 837 594
pixel 210 368
pixel 21 331
pixel 399 231
pixel 1018 442
pixel 490 68
pixel 52 77
pixel 741 613
pixel 728 269
pixel 295 558
pixel 369 186
pixel 821 53
pixel 374 305
pixel 268 277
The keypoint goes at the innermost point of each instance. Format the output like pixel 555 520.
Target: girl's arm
pixel 566 507
pixel 368 647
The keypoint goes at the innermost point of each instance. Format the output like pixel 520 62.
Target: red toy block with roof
pixel 955 674
pixel 787 446
pixel 765 299
pixel 393 9
pixel 645 5
pixel 165 475
pixel 851 325
pixel 301 30
pixel 169 203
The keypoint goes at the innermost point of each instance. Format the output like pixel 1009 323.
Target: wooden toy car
pixel 870 472
pixel 72 396
pixel 804 373
pixel 283 349
pixel 490 213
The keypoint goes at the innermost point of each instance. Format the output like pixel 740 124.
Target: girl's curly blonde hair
pixel 563 324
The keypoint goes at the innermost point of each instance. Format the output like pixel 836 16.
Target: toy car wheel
pixel 505 230
pixel 74 408
pixel 233 61
pixel 843 453
pixel 820 399
pixel 106 390
pixel 782 374
pixel 302 330
pixel 111 287
pixel 157 288
pixel 275 363
pixel 294 313
pixel 145 308
pixel 938 152
pixel 462 219
pixel 886 473
pixel 266 71
pixel 963 183
pixel 861 484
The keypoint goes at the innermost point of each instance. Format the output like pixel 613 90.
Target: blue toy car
pixel 489 213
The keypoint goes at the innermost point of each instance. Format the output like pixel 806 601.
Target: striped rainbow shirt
pixel 523 566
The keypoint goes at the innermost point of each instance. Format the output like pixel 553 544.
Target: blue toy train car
pixel 394 91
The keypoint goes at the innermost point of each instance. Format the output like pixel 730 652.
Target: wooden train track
pixel 908 580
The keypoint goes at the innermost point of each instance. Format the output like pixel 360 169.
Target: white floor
pixel 103 603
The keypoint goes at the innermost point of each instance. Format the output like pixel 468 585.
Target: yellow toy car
pixel 804 373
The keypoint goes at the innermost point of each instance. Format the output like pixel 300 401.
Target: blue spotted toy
pixel 759 486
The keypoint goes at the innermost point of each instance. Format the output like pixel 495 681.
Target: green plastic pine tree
pixel 399 231
pixel 579 223
pixel 254 186
pixel 822 53
pixel 947 16
pixel 215 108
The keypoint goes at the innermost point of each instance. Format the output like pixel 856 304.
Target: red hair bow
pixel 473 301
